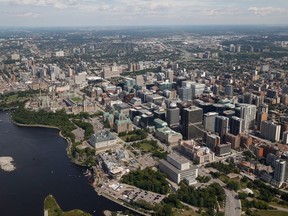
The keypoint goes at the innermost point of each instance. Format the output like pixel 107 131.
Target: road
pixel 232 204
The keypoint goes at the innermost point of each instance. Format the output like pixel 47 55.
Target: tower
pixel 221 126
pixel 236 125
pixel 279 172
pixel 191 120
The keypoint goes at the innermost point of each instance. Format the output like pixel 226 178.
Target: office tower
pixel 219 108
pixel 211 140
pixel 216 89
pixel 248 113
pixel 173 115
pixel 285 89
pixel 238 48
pixel 280 171
pixel 170 75
pixel 271 93
pixel 270 131
pixel 262 116
pixel 207 107
pixel 248 98
pixel 185 93
pixel 197 89
pixel 263 108
pixel 232 48
pixel 191 122
pixel 236 125
pixel 209 121
pixel 228 90
pixel 221 126
pixel 285 137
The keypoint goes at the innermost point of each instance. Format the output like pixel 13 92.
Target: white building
pixel 270 131
pixel 179 168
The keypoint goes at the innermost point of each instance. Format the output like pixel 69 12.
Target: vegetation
pixel 233 185
pixel 203 179
pixel 53 208
pixel 151 146
pixel 224 168
pixel 132 136
pixel 268 213
pixel 207 197
pixel 58 119
pixel 147 179
pixel 86 126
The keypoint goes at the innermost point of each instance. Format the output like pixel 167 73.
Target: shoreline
pixel 69 144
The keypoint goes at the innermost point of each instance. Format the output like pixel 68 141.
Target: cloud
pixel 29 15
pixel 60 4
pixel 264 11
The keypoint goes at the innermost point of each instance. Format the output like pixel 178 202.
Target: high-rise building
pixel 216 89
pixel 280 171
pixel 236 125
pixel 232 48
pixel 173 115
pixel 197 89
pixel 248 113
pixel 185 93
pixel 228 90
pixel 270 131
pixel 262 116
pixel 221 125
pixel 191 122
pixel 209 121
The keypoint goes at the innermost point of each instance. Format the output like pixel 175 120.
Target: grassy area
pixel 271 213
pixel 12 98
pixel 184 212
pixel 54 209
pixel 76 99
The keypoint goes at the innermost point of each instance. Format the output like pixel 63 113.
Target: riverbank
pixel 69 146
pixel 75 162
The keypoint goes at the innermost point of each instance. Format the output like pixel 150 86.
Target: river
pixel 42 168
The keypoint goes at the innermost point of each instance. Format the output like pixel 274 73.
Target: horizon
pixel 94 13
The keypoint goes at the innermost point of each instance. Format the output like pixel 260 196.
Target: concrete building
pixel 179 168
pixel 248 113
pixel 223 149
pixel 270 131
pixel 211 140
pixel 191 120
pixel 209 121
pixel 102 140
pixel 236 125
pixel 168 136
pixel 280 171
pixel 228 90
pixel 221 126
pixel 196 153
pixel 285 137
pixel 173 115
pixel 197 89
pixel 233 139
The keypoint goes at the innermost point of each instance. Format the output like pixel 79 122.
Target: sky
pixel 46 13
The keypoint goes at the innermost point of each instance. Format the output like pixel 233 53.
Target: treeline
pixel 147 179
pixel 207 197
pixel 224 168
pixel 58 119
pixel 86 126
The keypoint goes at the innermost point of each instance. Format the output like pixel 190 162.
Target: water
pixel 42 168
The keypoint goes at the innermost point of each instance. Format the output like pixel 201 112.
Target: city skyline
pixel 141 12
